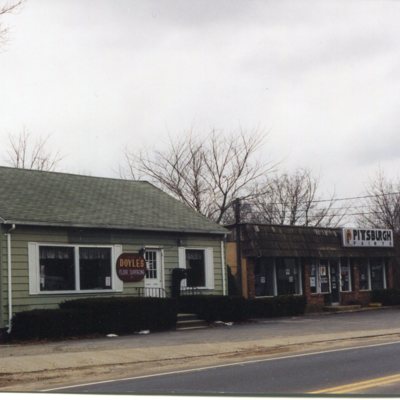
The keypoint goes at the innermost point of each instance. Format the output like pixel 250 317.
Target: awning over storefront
pixel 305 242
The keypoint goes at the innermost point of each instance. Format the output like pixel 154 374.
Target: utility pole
pixel 237 208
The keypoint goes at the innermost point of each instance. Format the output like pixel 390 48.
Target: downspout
pixel 223 266
pixel 238 245
pixel 8 234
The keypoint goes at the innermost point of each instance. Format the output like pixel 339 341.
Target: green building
pixel 61 236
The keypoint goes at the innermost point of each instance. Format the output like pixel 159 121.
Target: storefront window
pixel 287 276
pixel 313 277
pixel 377 274
pixel 364 275
pixel 57 268
pixel 195 263
pixel 324 276
pixel 95 268
pixel 345 275
pixel 264 277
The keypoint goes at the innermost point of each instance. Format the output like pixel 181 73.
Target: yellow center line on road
pixel 361 385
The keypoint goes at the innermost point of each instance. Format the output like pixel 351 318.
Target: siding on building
pixel 131 241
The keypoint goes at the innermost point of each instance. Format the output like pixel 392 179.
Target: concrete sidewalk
pixel 260 335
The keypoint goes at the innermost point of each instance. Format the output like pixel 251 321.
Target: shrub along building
pixel 328 266
pixel 62 235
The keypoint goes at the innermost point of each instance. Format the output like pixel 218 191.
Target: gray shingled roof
pixel 57 199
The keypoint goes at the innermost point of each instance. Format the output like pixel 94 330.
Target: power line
pixel 311 216
pixel 333 199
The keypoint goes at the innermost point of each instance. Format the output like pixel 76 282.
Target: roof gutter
pixel 221 232
pixel 10 297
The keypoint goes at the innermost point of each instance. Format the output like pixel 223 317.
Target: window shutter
pixel 33 264
pixel 209 261
pixel 118 284
pixel 181 257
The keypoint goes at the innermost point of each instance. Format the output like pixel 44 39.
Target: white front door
pixel 153 279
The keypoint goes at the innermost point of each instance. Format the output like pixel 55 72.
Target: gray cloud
pixel 321 75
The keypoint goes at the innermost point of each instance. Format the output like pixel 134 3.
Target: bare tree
pixel 7 8
pixel 293 199
pixel 24 152
pixel 206 173
pixel 381 208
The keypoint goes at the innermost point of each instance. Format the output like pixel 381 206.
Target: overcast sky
pixel 322 77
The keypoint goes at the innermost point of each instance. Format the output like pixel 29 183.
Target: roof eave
pixel 221 232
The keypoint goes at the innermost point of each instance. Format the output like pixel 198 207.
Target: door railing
pixel 190 291
pixel 150 292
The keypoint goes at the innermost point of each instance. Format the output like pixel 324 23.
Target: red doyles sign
pixel 131 267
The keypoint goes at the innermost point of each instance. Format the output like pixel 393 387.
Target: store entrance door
pixel 335 282
pixel 153 279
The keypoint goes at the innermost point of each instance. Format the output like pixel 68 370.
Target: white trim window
pixel 345 275
pixel 200 265
pixel 372 274
pixel 378 273
pixel 59 268
pixel 324 276
pixel 278 276
pixel 320 276
pixel 364 276
pixel 288 276
pixel 265 277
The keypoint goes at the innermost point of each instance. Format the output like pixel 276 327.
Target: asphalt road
pixel 325 371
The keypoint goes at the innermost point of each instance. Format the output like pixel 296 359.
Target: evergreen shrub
pixel 215 307
pixel 388 297
pixel 79 317
pixel 234 308
pixel 49 324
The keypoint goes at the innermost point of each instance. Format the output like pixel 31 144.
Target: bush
pixel 122 315
pixel 388 297
pixel 278 306
pixel 127 314
pixel 263 308
pixel 231 308
pixel 49 324
pixel 214 307
pixel 95 316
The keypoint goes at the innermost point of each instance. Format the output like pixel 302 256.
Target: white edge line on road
pixel 220 366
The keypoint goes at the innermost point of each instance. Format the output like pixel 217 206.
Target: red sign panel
pixel 131 267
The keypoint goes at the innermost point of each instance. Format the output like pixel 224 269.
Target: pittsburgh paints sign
pixel 353 237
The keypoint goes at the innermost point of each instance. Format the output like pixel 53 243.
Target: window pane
pixel 264 277
pixel 95 268
pixel 345 275
pixel 151 264
pixel 313 276
pixel 377 281
pixel 287 276
pixel 324 276
pixel 195 265
pixel 363 268
pixel 57 268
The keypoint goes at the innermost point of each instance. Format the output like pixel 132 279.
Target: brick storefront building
pixel 328 266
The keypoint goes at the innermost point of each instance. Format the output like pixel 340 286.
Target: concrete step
pixel 375 305
pixel 190 321
pixel 342 308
